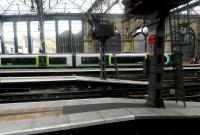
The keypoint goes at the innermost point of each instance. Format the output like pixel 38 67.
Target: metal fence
pixel 113 45
pixel 139 44
pixel 70 43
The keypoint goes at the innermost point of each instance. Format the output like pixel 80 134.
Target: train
pixel 74 60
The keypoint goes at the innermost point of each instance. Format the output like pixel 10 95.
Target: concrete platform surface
pixel 47 116
pixel 65 70
pixel 58 70
pixel 66 78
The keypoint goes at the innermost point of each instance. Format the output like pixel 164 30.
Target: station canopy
pixel 21 7
pixel 28 7
pixel 193 7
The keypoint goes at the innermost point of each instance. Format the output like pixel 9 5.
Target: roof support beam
pixel 98 4
pixel 94 5
pixel 189 6
pixel 51 7
pixel 8 7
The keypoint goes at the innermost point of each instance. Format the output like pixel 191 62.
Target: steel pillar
pixel 103 59
pixel 15 36
pixel 29 37
pixel 156 57
pixel 179 77
pixel 1 38
pixel 57 34
pixel 176 45
pixel 39 4
pixel 115 65
pixel 2 45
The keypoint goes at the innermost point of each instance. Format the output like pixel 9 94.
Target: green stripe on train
pixel 109 60
pixel 37 61
pixel 47 61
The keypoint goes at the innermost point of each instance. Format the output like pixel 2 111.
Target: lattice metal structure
pixel 177 56
pixel 182 41
pixel 155 12
pixel 188 14
pixel 21 7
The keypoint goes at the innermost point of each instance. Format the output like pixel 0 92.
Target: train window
pixel 129 60
pixel 90 60
pixel 107 60
pixel 18 61
pixel 57 60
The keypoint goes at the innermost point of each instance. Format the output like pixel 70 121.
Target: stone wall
pixel 124 29
pixel 127 44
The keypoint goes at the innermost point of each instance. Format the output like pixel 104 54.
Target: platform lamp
pixel 144 31
pixel 145 34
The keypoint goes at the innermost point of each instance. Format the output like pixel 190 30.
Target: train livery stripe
pixel 37 61
pixel 13 66
pixel 47 61
pixel 69 60
pixel 109 60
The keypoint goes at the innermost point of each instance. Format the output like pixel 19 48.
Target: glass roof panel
pixel 196 10
pixel 117 9
pixel 64 8
pixel 4 3
pixel 85 5
pixel 15 7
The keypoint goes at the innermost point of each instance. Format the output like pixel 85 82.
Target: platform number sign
pixel 151 44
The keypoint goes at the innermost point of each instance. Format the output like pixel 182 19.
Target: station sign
pixel 151 44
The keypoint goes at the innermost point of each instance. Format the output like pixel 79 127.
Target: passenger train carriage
pixel 78 60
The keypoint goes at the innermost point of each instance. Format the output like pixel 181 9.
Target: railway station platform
pixel 16 89
pixel 83 71
pixel 67 72
pixel 35 79
pixel 50 116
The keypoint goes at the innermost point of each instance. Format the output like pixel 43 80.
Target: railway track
pixel 44 88
pixel 56 91
pixel 40 95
